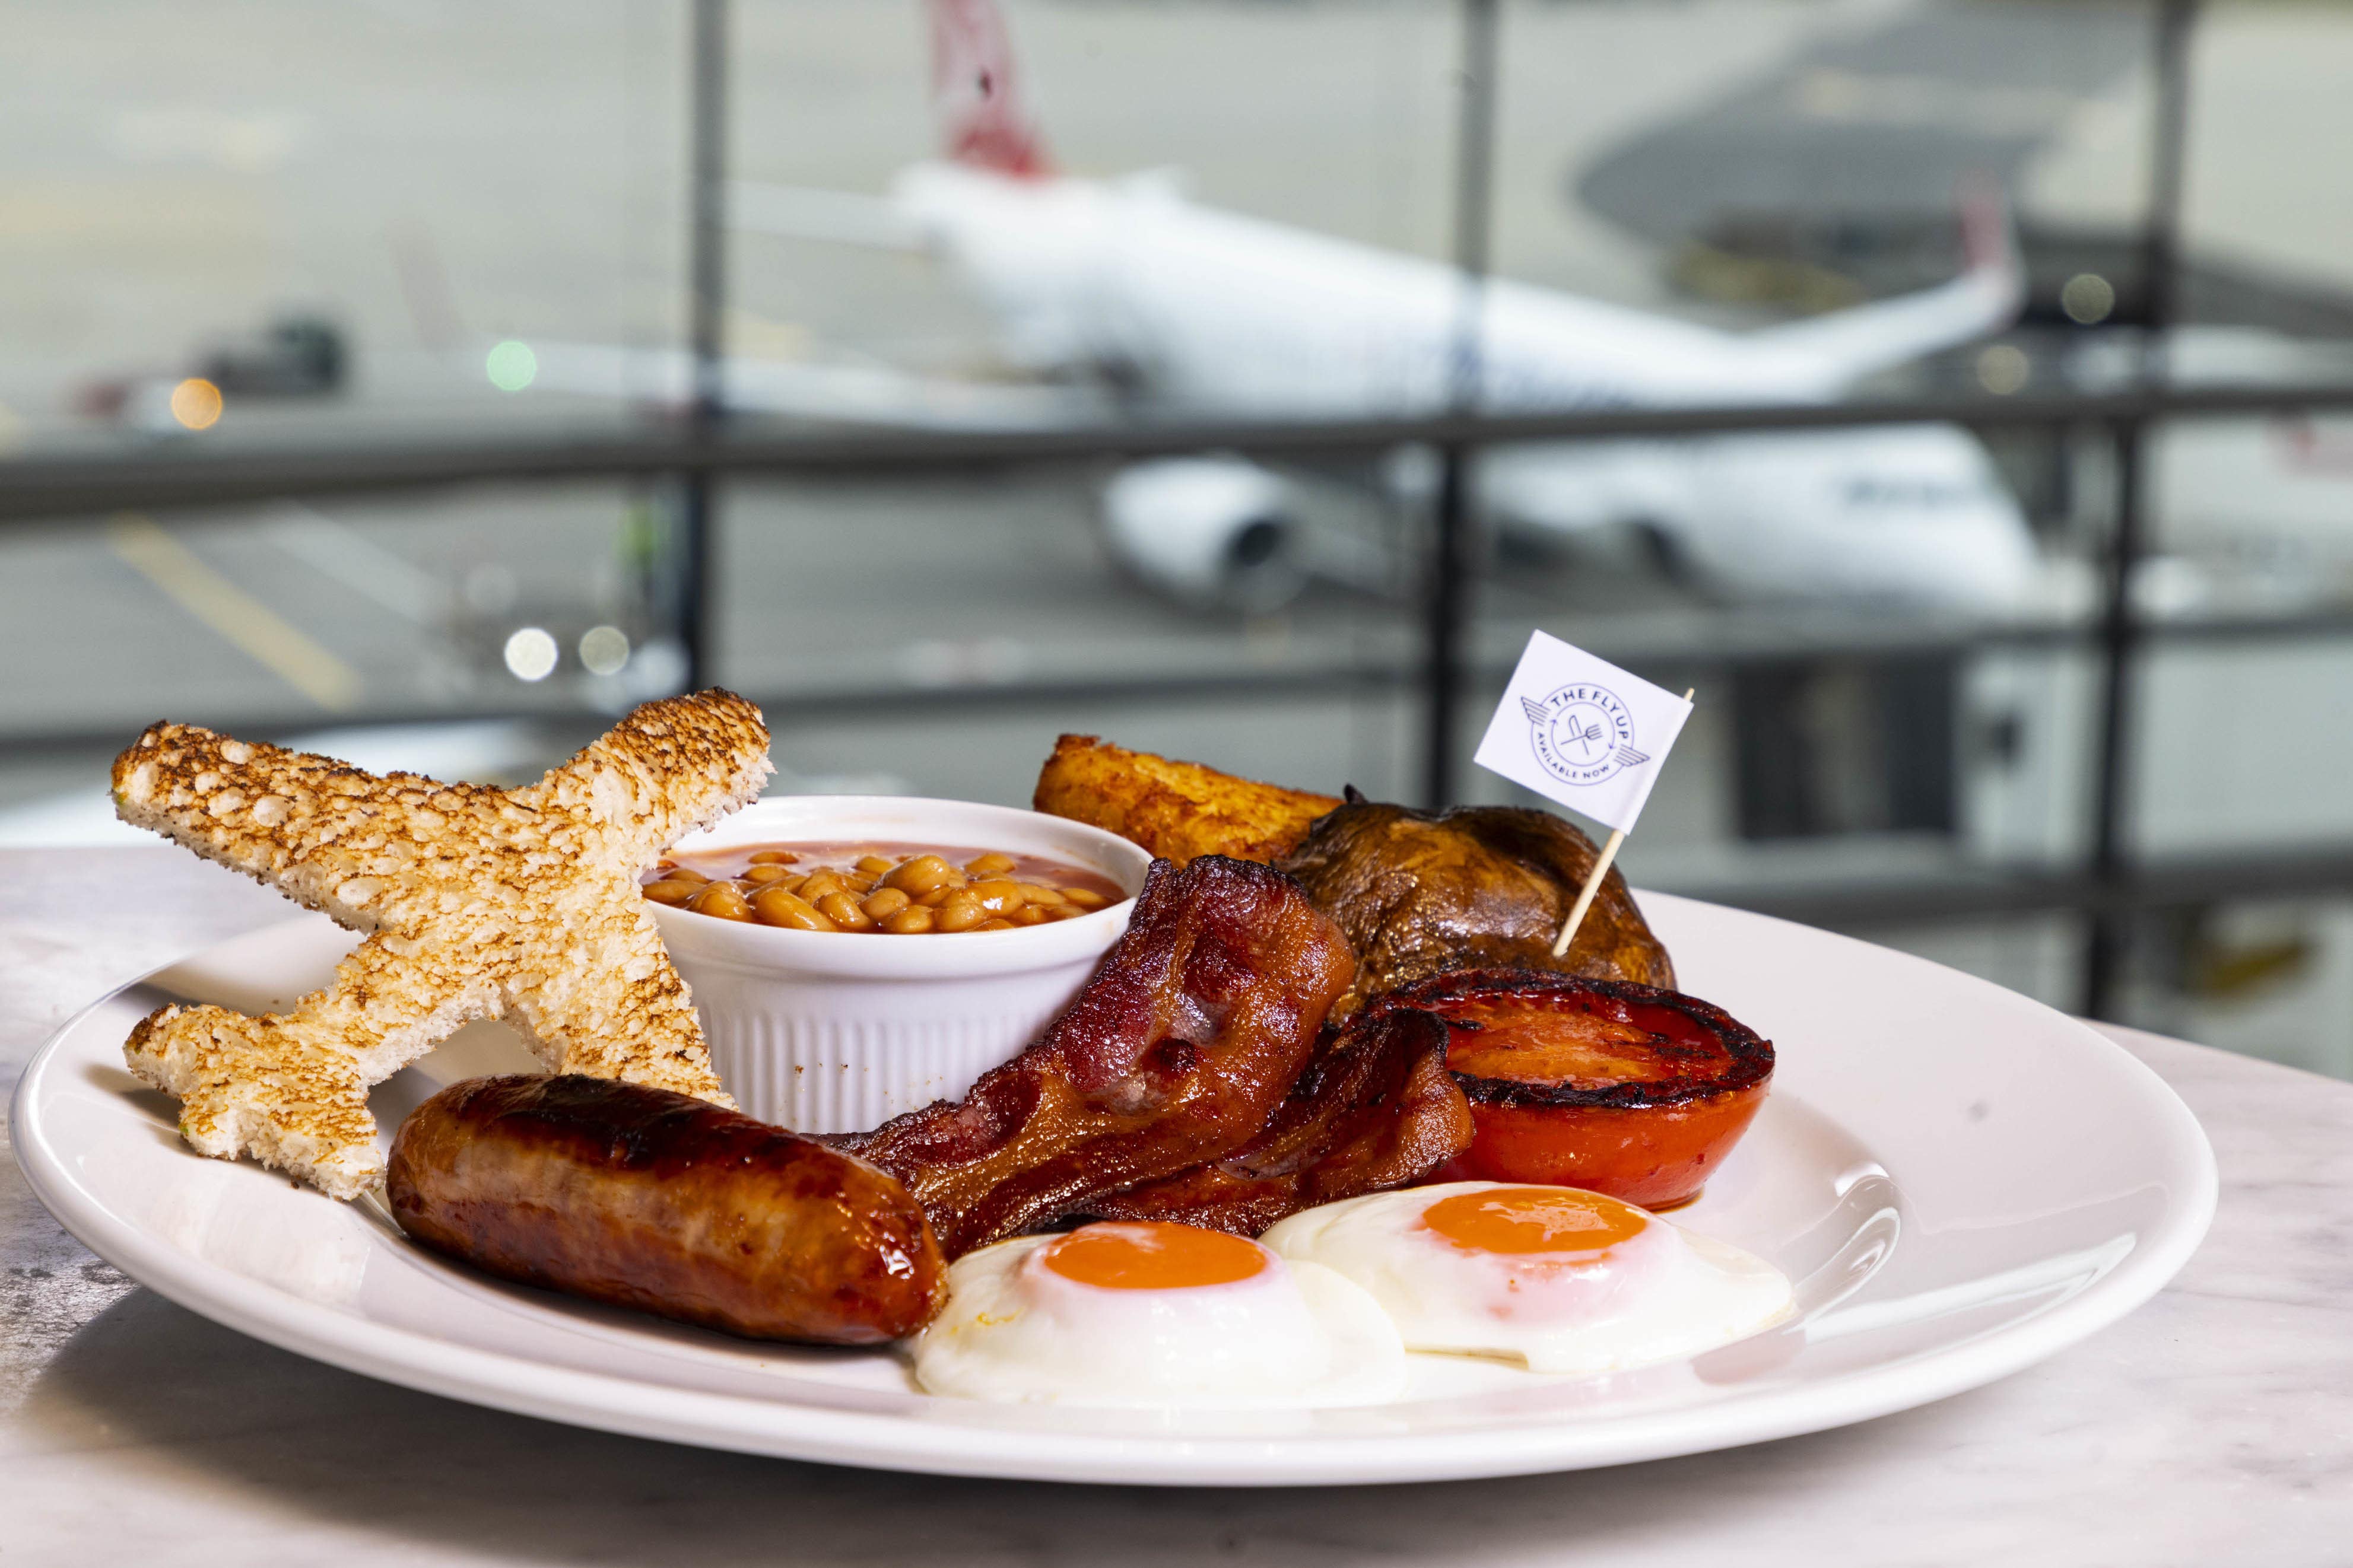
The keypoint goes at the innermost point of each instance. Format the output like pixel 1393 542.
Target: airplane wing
pixel 1847 345
pixel 812 389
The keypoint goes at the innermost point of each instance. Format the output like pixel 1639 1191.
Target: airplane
pixel 1124 295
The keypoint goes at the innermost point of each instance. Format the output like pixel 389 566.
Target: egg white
pixel 1293 1335
pixel 1662 1294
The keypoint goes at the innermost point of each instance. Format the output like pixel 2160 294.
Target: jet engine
pixel 1213 533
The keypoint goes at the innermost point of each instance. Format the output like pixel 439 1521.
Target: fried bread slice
pixel 1177 810
pixel 476 903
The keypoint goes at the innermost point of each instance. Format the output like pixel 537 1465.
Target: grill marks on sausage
pixel 1375 1109
pixel 1190 1034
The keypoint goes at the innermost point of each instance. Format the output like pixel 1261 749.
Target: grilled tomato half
pixel 1620 1088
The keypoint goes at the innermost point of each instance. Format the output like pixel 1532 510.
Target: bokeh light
pixel 197 404
pixel 531 654
pixel 2088 297
pixel 2004 369
pixel 512 367
pixel 604 650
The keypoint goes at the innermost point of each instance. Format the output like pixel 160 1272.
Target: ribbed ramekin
pixel 830 1032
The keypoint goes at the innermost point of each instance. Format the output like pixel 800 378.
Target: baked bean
pixel 776 907
pixel 820 884
pixel 768 871
pixel 994 925
pixel 884 902
pixel 1038 894
pixel 936 897
pixel 1085 898
pixel 919 875
pixel 999 897
pixel 723 899
pixel 874 866
pixel 960 911
pixel 1030 915
pixel 673 893
pixel 843 911
pixel 989 865
pixel 683 874
pixel 772 857
pixel 909 922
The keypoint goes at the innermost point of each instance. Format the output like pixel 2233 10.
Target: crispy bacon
pixel 1177 1051
pixel 1375 1110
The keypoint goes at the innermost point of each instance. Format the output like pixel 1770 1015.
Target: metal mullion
pixel 706 318
pixel 2109 931
pixel 1447 588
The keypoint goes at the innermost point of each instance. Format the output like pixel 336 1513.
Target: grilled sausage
pixel 649 1199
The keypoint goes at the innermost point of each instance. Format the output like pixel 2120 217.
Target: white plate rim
pixel 782 1429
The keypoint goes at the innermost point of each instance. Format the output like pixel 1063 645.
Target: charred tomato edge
pixel 1752 1055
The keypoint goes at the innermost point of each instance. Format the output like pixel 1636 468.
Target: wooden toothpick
pixel 1584 895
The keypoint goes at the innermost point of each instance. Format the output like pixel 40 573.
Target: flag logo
pixel 1580 731
pixel 1582 734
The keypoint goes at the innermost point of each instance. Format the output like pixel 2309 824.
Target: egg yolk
pixel 1152 1257
pixel 1523 1220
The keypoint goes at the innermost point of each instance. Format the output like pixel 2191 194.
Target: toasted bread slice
pixel 1176 810
pixel 475 903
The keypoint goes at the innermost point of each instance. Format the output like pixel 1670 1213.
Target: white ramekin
pixel 830 1032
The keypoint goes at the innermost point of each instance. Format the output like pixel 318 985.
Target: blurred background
pixel 1955 393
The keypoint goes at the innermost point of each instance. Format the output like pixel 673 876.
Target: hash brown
pixel 1177 810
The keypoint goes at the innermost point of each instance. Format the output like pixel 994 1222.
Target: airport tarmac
pixel 517 172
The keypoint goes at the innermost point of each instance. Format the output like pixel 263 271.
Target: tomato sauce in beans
pixel 891 890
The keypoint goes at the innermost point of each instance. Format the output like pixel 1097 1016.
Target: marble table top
pixel 2213 1425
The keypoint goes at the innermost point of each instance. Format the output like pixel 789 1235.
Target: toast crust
pixel 476 903
pixel 1177 810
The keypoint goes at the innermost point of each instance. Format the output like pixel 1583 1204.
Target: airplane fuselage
pixel 1219 313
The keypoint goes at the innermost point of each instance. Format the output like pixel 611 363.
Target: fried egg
pixel 1155 1314
pixel 1558 1278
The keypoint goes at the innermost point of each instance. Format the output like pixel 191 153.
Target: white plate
pixel 1961 1181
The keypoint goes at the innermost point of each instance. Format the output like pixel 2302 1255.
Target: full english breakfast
pixel 1206 1180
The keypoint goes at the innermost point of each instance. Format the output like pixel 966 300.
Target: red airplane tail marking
pixel 974 91
pixel 1987 243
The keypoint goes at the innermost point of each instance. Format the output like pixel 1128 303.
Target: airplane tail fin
pixel 1986 298
pixel 982 118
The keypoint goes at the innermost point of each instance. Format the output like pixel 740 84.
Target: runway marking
pixel 234 615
